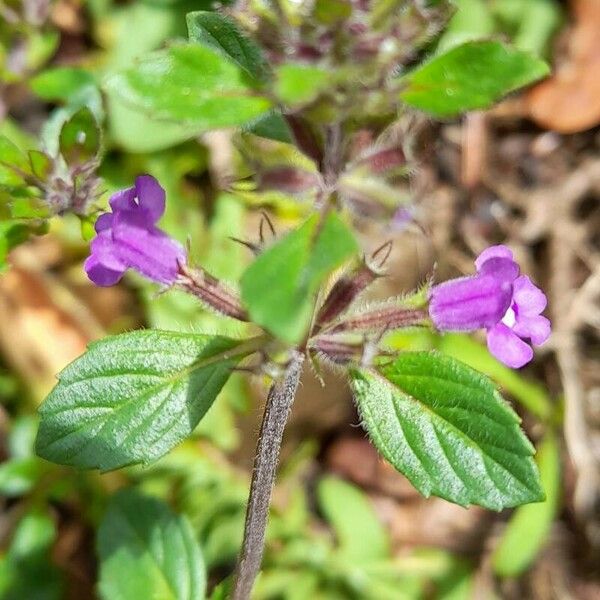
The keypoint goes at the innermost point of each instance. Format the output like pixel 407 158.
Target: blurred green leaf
pixel 472 20
pixel 19 475
pixel 471 76
pixel 79 139
pixel 13 164
pixel 360 534
pixel 147 551
pixel 60 83
pixel 137 132
pixel 86 98
pixel 271 126
pixel 21 437
pixel 530 24
pixel 41 45
pixel 12 233
pixel 128 127
pixel 26 571
pixel 130 398
pixel 221 33
pixel 41 164
pixel 192 84
pixel 528 529
pixel 448 430
pixel 280 286
pixel 332 11
pixel 300 84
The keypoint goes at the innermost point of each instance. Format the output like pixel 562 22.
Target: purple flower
pixel 127 238
pixel 508 305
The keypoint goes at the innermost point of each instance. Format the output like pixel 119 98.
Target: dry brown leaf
pixel 569 101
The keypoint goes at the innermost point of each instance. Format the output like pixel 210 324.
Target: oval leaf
pixel 193 84
pixel 361 536
pixel 470 76
pixel 219 32
pixel 130 398
pixel 280 286
pixel 448 430
pixel 146 551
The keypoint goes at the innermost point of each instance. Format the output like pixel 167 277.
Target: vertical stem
pixel 279 401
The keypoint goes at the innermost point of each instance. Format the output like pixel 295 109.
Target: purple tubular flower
pixel 127 238
pixel 508 305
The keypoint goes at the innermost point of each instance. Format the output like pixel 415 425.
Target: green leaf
pixel 12 164
pixel 60 83
pixel 41 164
pixel 360 534
pixel 86 98
pixel 448 430
pixel 130 398
pixel 471 21
pixel 26 570
pixel 471 76
pixel 528 529
pixel 19 475
pixel 533 396
pixel 330 12
pixel 271 126
pixel 190 83
pixel 147 551
pixel 280 286
pixel 220 33
pixel 12 233
pixel 300 84
pixel 79 139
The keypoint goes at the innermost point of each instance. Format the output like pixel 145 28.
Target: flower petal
pixel 536 328
pixel 530 300
pixel 508 347
pixel 504 269
pixel 469 303
pixel 151 197
pixel 102 266
pixel 103 222
pixel 123 200
pixel 499 251
pixel 149 251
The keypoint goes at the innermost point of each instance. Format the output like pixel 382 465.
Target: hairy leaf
pixel 130 398
pixel 193 84
pixel 470 76
pixel 147 551
pixel 280 286
pixel 448 430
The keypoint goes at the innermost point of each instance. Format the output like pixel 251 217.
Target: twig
pixel 279 401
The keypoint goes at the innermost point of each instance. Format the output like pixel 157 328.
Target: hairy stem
pixel 279 401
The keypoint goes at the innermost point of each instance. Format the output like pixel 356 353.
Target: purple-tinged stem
pixel 279 402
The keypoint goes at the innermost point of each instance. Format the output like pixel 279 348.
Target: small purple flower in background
pixel 127 238
pixel 508 305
